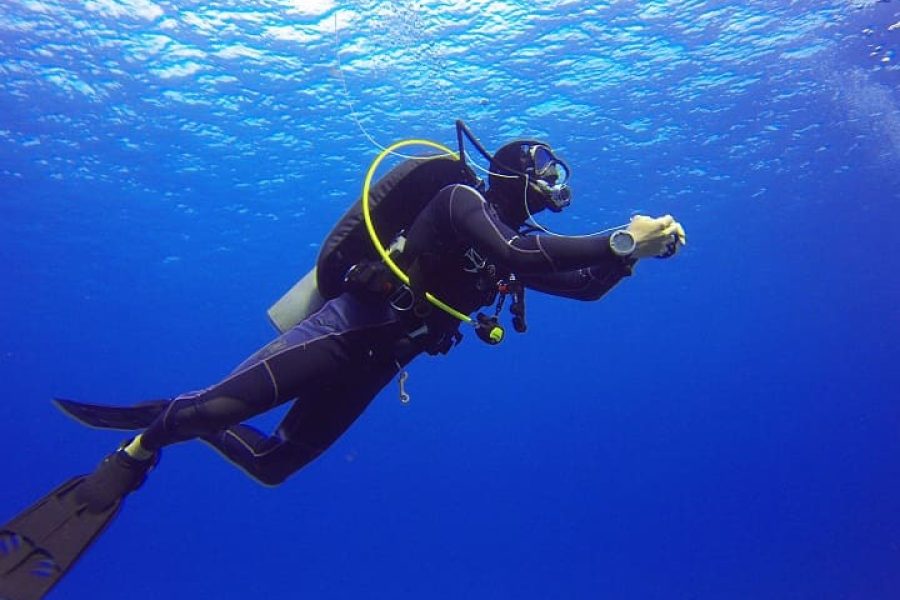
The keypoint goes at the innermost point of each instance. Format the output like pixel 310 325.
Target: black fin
pixel 40 545
pixel 104 416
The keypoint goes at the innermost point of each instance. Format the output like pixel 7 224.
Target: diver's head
pixel 527 177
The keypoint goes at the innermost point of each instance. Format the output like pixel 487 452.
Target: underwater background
pixel 723 425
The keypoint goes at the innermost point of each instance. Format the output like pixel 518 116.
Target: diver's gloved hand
pixel 661 237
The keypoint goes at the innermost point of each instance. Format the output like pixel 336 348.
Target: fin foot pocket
pixel 117 476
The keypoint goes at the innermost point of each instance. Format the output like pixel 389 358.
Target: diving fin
pixel 40 545
pixel 104 416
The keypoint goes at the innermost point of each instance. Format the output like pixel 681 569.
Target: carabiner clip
pixel 404 375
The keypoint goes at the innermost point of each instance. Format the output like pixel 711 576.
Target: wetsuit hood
pixel 507 184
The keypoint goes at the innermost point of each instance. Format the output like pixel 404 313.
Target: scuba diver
pixel 458 244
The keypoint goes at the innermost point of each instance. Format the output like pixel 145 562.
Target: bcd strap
pixel 373 281
pixel 370 278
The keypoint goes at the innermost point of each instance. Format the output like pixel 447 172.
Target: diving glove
pixel 661 237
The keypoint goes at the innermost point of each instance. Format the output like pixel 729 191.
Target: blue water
pixel 723 425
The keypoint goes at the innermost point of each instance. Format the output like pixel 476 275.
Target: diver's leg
pixel 308 429
pixel 268 459
pixel 341 341
pixel 235 399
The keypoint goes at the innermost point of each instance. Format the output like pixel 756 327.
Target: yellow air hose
pixel 496 333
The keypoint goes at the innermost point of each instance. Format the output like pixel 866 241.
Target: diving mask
pixel 550 174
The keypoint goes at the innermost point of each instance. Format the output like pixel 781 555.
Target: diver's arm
pixel 472 219
pixel 582 284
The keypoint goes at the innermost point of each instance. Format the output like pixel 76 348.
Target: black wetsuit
pixel 334 363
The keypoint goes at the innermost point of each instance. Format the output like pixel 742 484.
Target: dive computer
pixel 622 243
